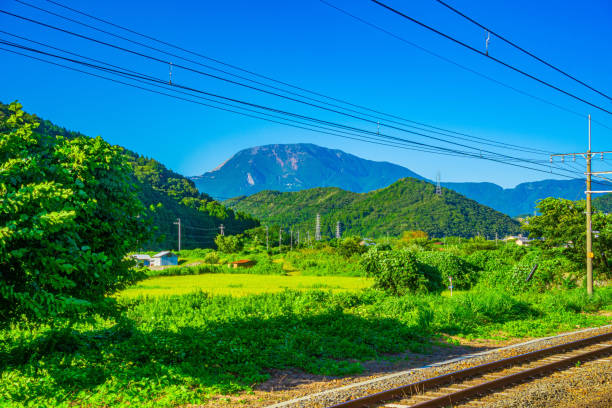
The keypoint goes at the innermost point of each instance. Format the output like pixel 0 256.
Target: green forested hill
pixel 171 195
pixel 408 204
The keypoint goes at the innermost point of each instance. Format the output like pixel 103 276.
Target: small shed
pixel 142 259
pixel 164 258
pixel 242 263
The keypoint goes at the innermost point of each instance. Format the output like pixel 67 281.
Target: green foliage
pixel 407 204
pixel 181 350
pixel 446 265
pixel 68 217
pixel 166 194
pixel 562 225
pixel 396 272
pixel 229 244
pixel 350 246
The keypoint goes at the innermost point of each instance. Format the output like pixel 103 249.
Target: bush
pixel 211 258
pixel 396 272
pixel 68 217
pixel 229 244
pixel 464 274
pixel 351 246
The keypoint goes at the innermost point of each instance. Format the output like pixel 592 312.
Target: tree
pixel 350 246
pixel 229 243
pixel 562 225
pixel 68 217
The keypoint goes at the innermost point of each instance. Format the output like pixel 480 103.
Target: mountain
pixel 521 199
pixel 407 204
pixel 171 195
pixel 294 167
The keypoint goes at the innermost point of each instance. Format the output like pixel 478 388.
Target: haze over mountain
pixel 294 167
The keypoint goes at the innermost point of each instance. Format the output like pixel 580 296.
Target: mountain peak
pixel 293 167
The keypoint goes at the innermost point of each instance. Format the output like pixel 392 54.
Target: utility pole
pixel 267 246
pixel 222 229
pixel 589 229
pixel 178 222
pixel 318 228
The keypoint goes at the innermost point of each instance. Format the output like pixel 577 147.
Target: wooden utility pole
pixel 589 228
pixel 178 222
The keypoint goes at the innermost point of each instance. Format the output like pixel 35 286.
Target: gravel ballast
pixel 363 388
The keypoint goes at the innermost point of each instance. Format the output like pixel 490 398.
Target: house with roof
pixel 164 258
pixel 142 259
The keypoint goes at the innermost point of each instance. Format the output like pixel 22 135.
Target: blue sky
pixel 307 43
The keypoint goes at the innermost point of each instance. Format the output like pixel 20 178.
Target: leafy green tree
pixel 229 244
pixel 350 246
pixel 562 225
pixel 68 217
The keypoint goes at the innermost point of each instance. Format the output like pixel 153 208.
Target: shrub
pixel 229 244
pixel 396 272
pixel 211 258
pixel 464 274
pixel 351 246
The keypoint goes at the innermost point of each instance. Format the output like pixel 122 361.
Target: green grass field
pixel 242 284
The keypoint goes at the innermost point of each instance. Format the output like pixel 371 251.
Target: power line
pixel 521 48
pixel 461 66
pixel 257 82
pixel 283 112
pixel 507 65
pixel 149 78
pixel 234 82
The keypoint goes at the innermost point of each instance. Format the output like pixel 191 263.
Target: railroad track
pixel 471 383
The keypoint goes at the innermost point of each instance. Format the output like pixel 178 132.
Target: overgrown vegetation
pixel 69 216
pixel 170 351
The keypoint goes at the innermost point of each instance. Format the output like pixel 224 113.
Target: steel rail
pixel 420 386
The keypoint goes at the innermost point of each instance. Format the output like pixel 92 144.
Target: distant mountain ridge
pixel 522 199
pixel 294 167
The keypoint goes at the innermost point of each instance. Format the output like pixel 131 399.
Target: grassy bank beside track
pixel 165 351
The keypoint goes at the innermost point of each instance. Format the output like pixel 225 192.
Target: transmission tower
pixel 338 230
pixel 222 229
pixel 318 228
pixel 438 187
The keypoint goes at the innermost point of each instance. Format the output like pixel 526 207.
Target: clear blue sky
pixel 311 45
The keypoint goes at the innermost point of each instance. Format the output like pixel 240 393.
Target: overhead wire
pixel 238 83
pixel 283 112
pixel 499 61
pixel 486 141
pixel 461 66
pixel 523 50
